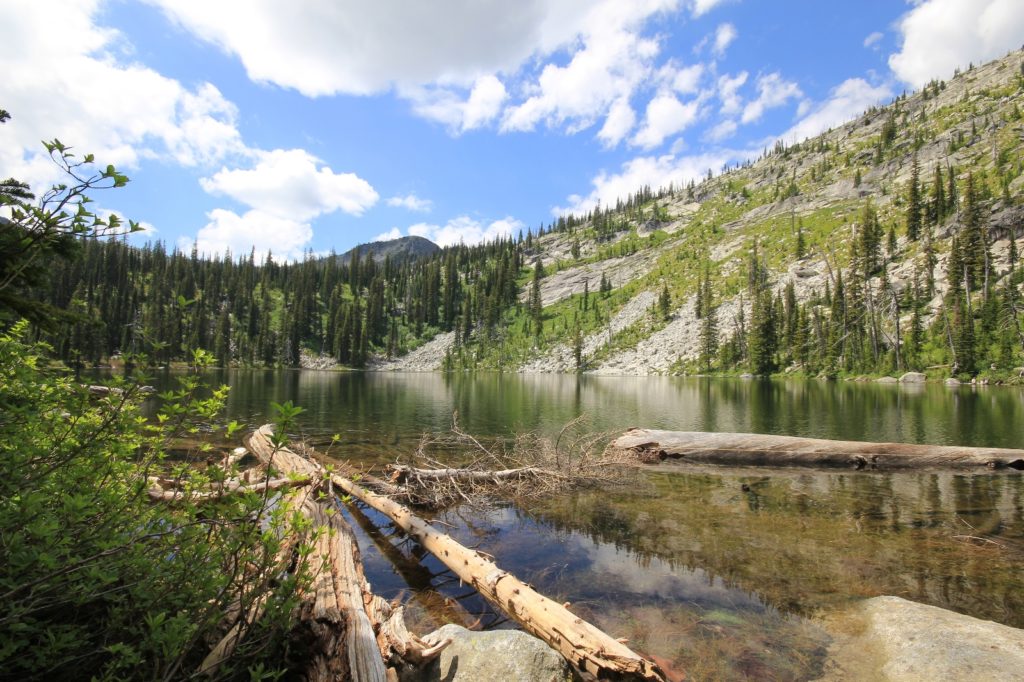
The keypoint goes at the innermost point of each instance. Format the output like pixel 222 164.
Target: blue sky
pixel 316 124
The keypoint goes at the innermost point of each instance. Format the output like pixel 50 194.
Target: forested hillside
pixel 884 246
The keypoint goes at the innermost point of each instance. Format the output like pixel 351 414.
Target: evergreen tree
pixel 913 214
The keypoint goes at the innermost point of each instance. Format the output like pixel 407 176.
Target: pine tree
pixel 708 339
pixel 913 215
pixel 665 303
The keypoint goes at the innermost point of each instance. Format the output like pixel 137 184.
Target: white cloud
pixel 465 230
pixel 621 119
pixel 850 99
pixel 285 238
pixel 724 35
pixel 443 104
pixel 292 184
pixel 941 35
pixel 655 171
pixel 687 79
pixel 346 46
pixel 722 131
pixel 611 62
pixel 702 7
pixel 772 91
pixel 665 117
pixel 69 81
pixel 728 92
pixel 393 233
pixel 412 203
pixel 873 39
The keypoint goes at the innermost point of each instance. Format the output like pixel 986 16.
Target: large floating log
pixel 751 449
pixel 587 647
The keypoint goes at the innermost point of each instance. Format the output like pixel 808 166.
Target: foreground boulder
pixel 902 641
pixel 493 656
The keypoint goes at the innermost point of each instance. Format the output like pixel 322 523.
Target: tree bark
pixel 749 449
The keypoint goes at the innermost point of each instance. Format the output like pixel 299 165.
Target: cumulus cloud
pixel 612 62
pixel 722 131
pixel 443 104
pixel 665 117
pixel 265 232
pixel 293 183
pixel 850 99
pixel 873 39
pixel 941 35
pixel 412 203
pixel 351 47
pixel 393 233
pixel 702 7
pixel 620 120
pixel 72 84
pixel 687 79
pixel 728 92
pixel 285 190
pixel 465 230
pixel 655 171
pixel 458 62
pixel 772 91
pixel 724 35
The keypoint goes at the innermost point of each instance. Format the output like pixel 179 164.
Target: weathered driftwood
pixel 353 631
pixel 401 474
pixel 749 449
pixel 587 647
pixel 170 491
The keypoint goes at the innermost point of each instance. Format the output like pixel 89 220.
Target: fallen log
pixel 750 449
pixel 353 631
pixel 585 646
pixel 172 492
pixel 401 474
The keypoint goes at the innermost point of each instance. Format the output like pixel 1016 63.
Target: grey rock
pixel 913 378
pixel 493 656
pixel 887 380
pixel 917 643
pixel 952 381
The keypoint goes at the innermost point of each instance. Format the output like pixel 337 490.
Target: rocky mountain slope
pixel 801 206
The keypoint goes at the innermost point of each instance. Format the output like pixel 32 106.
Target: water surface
pixel 725 572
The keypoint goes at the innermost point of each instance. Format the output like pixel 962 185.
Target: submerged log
pixel 584 645
pixel 750 449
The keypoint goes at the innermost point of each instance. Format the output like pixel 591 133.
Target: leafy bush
pixel 96 580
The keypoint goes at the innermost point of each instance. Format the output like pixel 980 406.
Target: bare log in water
pixel 349 632
pixel 587 647
pixel 749 449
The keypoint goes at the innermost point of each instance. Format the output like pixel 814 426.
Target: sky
pixel 317 125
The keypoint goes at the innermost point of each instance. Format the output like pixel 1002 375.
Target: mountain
pixel 400 250
pixel 883 246
pixel 887 244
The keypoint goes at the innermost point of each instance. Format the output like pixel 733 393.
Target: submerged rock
pixel 493 656
pixel 902 641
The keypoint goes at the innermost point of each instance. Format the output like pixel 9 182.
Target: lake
pixel 724 571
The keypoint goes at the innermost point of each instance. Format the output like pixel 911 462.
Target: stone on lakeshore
pixel 887 380
pixel 494 656
pixel 903 641
pixel 913 378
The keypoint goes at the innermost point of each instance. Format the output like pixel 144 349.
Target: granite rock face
pixel 903 641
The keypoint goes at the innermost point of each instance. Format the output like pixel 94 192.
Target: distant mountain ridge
pixel 400 250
